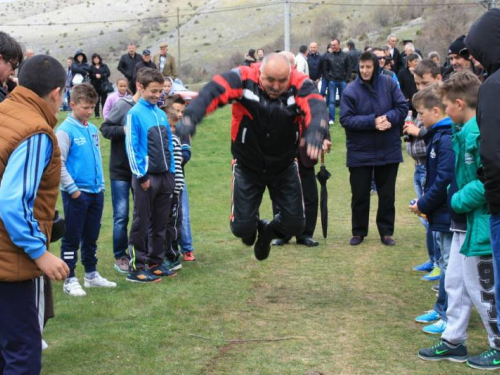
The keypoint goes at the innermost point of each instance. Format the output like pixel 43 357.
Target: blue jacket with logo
pixel 81 157
pixel 148 141
pixel 440 165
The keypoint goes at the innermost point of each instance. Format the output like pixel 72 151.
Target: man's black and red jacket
pixel 265 132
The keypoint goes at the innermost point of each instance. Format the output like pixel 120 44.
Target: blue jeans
pixel 324 87
pixel 66 100
pixel 185 239
pixel 333 86
pixel 431 239
pixel 495 244
pixel 83 223
pixel 120 191
pixel 442 300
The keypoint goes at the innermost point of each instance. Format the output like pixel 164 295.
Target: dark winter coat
pixel 127 64
pixel 80 68
pixel 440 165
pixel 336 66
pixel 143 64
pixel 314 63
pixel 483 42
pixel 103 70
pixel 407 85
pixel 354 55
pixel 360 104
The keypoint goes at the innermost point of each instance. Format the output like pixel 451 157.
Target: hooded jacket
pixel 483 42
pixel 439 166
pixel 360 104
pixel 80 68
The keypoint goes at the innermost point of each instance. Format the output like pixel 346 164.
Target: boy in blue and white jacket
pixel 151 157
pixel 82 186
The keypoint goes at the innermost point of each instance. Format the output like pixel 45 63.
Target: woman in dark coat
pixel 99 74
pixel 80 66
pixel 372 112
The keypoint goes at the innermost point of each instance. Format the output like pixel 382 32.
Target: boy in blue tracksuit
pixel 151 157
pixel 440 164
pixel 82 185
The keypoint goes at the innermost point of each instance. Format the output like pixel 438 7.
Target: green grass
pixel 348 310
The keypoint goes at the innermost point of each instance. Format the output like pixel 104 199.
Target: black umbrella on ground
pixel 323 175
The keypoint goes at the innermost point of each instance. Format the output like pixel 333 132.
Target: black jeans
pixel 385 180
pixel 101 99
pixel 151 212
pixel 285 191
pixel 311 200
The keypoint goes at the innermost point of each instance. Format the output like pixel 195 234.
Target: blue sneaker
pixel 161 271
pixel 172 266
pixel 424 267
pixel 427 317
pixel 434 275
pixel 435 328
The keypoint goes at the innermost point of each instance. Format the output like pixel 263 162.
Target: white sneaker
pixel 98 282
pixel 331 122
pixel 73 288
pixel 44 344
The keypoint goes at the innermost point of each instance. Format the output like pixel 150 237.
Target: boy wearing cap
pixel 165 62
pixel 145 63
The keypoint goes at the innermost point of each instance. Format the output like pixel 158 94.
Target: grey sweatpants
pixel 469 282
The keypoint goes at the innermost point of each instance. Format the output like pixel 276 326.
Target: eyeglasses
pixel 381 57
pixel 14 65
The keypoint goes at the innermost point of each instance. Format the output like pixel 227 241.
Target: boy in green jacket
pixel 469 279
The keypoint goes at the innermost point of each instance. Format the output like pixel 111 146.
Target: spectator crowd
pixel 443 114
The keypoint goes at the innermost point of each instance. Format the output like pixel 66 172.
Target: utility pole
pixel 178 38
pixel 287 25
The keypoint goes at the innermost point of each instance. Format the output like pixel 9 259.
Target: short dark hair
pixel 42 74
pixel 427 66
pixel 428 98
pixel 351 44
pixel 177 98
pixel 83 92
pixel 376 49
pixel 367 55
pixel 149 75
pixel 462 85
pixel 335 39
pixel 10 49
pixel 413 57
pixel 303 49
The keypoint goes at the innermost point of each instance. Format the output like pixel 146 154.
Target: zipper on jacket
pixel 243 135
pixel 161 142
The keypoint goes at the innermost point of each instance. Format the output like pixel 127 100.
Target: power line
pixel 382 5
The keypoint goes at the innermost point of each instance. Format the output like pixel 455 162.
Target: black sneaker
pixel 488 360
pixel 263 245
pixel 442 351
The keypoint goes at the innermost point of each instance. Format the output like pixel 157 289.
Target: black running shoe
pixel 442 351
pixel 263 245
pixel 249 241
pixel 488 360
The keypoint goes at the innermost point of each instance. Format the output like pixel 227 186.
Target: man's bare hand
pixel 145 185
pixel 313 152
pixel 52 266
pixel 327 145
pixel 414 208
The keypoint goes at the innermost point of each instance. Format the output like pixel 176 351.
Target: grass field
pixel 343 309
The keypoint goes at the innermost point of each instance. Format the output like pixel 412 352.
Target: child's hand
pixel 76 194
pixel 52 266
pixel 145 185
pixel 411 130
pixel 414 208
